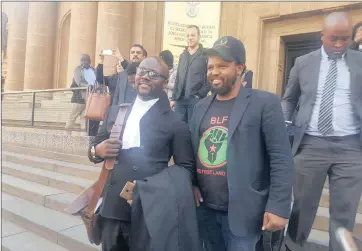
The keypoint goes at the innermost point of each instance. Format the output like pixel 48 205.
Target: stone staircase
pixel 38 184
pixel 36 187
pixel 51 110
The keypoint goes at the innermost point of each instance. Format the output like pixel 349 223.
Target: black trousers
pixel 115 235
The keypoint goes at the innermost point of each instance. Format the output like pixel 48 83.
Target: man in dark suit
pixel 244 162
pixel 151 135
pixel 327 83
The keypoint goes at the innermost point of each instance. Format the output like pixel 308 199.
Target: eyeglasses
pixel 151 74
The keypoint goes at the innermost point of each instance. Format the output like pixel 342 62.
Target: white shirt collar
pixel 141 103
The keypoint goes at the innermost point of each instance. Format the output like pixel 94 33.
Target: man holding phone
pixel 152 134
pixel 136 54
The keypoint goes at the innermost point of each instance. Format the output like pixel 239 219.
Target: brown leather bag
pixel 87 201
pixel 98 102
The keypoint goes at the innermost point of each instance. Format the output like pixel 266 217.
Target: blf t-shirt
pixel 211 159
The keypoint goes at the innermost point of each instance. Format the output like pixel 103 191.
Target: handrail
pixel 46 90
pixel 34 92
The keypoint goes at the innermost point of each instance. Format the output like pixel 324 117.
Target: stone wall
pixel 255 24
pixel 93 26
pixel 45 140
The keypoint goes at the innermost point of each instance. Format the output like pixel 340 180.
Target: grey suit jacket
pixel 260 169
pixel 303 84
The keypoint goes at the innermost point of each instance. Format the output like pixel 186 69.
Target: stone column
pixel 17 27
pixel 148 25
pixel 40 46
pixel 114 28
pixel 83 29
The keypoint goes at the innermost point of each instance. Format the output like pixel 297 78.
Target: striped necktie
pixel 325 124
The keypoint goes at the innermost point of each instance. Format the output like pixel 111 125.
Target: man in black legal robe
pixel 152 134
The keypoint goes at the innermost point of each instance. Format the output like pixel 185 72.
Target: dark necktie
pixel 325 119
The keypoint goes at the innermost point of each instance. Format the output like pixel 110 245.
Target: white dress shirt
pixel 345 121
pixel 131 135
pixel 89 76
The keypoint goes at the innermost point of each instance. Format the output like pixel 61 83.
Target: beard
pixel 135 59
pixel 151 94
pixel 226 88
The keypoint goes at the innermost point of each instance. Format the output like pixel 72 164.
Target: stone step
pixel 78 170
pixel 317 240
pixel 57 104
pixel 73 158
pixel 62 229
pixel 56 180
pixel 47 140
pixel 322 218
pixel 8 106
pixel 15 238
pixel 49 115
pixel 40 194
pixel 16 114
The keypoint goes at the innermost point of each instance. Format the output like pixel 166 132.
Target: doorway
pixel 296 46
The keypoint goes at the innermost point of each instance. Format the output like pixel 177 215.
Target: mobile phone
pixel 346 240
pixel 107 52
pixel 127 191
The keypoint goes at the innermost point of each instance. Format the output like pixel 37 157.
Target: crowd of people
pixel 233 143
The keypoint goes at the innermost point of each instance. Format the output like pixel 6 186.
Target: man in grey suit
pixel 327 140
pixel 244 165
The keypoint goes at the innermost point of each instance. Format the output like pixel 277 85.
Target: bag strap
pixel 108 163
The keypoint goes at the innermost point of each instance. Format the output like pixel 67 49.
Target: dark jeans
pixel 185 107
pixel 216 235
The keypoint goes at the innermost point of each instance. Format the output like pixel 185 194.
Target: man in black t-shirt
pixel 211 166
pixel 244 161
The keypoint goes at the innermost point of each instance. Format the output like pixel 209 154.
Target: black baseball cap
pixel 229 49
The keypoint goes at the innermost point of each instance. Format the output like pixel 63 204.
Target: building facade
pixel 44 40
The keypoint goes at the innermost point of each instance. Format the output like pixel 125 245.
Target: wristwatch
pixel 93 152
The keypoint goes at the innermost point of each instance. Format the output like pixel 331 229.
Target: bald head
pixel 85 56
pixel 336 18
pixel 336 34
pixel 162 66
pixel 85 61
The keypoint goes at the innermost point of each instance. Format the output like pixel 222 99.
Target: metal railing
pixel 50 109
pixel 17 104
